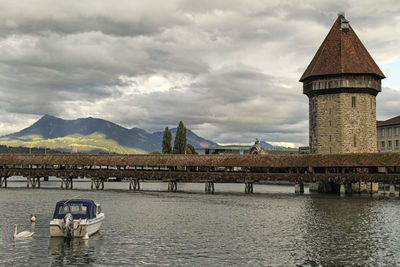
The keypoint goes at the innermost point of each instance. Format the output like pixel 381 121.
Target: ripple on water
pixel 157 228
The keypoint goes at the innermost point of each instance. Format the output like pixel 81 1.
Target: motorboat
pixel 76 218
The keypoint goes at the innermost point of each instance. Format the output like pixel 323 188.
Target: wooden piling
pixel 209 187
pixel 3 182
pixel 392 190
pixel 248 187
pixel 342 189
pixel 299 187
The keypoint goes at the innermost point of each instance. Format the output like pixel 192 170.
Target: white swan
pixel 33 218
pixel 23 234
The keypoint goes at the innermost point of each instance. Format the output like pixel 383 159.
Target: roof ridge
pixel 341 52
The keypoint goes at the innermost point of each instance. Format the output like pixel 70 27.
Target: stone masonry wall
pixel 338 127
pixel 359 123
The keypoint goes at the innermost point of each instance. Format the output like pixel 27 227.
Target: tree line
pixel 180 142
pixel 33 150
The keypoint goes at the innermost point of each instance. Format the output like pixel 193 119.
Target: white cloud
pixel 228 69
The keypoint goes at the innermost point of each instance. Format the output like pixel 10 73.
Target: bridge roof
pixel 260 160
pixel 341 52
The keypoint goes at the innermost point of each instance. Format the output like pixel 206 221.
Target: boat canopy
pixel 79 208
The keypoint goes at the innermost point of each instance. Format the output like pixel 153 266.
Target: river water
pixel 272 227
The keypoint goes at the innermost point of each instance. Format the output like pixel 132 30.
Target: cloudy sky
pixel 228 69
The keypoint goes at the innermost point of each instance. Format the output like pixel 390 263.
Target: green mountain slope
pixel 76 142
pixel 50 127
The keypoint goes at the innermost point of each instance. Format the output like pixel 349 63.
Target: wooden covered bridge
pixel 340 170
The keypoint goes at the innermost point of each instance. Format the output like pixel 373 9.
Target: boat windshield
pixel 72 208
pixel 79 208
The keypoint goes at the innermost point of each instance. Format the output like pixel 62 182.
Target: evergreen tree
pixel 180 139
pixel 166 141
pixel 190 149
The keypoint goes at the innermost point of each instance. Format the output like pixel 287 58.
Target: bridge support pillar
pixel 172 186
pixel 392 190
pixel 209 187
pixel 68 182
pixel 3 182
pixel 248 187
pixel 299 188
pixel 32 182
pixel 342 189
pixel 372 187
pixel 98 183
pixel 35 181
pixel 135 184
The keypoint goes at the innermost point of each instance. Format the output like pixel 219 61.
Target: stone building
pixel 389 135
pixel 341 83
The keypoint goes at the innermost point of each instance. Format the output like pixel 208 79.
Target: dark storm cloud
pixel 228 69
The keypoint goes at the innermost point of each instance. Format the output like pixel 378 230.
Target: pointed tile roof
pixel 341 53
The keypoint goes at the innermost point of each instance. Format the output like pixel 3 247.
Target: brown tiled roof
pixel 392 121
pixel 341 53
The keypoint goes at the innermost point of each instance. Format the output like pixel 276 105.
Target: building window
pixel 396 143
pixel 382 132
pixel 353 101
pixel 396 131
pixel 330 138
pixel 389 144
pixel 390 132
pixel 383 145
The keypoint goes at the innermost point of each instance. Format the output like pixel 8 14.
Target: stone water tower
pixel 341 83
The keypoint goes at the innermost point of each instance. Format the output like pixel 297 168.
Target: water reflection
pixel 73 251
pixel 339 230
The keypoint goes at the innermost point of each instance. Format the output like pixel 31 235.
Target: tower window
pixel 353 101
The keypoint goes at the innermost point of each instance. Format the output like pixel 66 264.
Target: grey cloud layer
pixel 228 69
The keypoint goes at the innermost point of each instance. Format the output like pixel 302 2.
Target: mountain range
pixel 93 135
